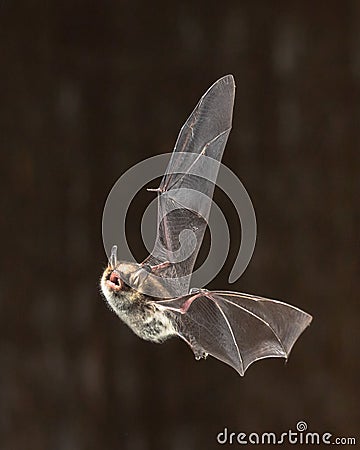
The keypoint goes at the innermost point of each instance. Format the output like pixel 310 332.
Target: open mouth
pixel 114 282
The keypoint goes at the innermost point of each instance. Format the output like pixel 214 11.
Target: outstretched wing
pixel 236 328
pixel 185 192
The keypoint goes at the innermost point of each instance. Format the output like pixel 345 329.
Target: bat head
pixel 115 286
pixel 111 280
pixel 117 277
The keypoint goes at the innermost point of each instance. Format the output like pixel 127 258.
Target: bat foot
pixel 199 352
pixel 201 355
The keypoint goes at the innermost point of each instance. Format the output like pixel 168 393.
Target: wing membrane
pixel 237 328
pixel 186 190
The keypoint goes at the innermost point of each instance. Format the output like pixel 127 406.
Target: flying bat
pixel 154 297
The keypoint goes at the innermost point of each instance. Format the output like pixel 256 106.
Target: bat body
pixel 139 311
pixel 153 298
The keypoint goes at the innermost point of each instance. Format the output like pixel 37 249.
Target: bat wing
pixel 185 192
pixel 236 328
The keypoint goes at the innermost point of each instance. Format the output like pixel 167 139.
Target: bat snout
pixel 114 282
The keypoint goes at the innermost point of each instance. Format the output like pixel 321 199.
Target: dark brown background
pixel 90 88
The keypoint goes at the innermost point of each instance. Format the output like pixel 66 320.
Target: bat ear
pixel 113 257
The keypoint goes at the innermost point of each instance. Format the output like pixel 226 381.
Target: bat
pixel 154 297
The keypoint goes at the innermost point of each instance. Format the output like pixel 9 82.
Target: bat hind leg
pixel 198 351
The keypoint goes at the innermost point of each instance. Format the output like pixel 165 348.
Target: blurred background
pixel 87 90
